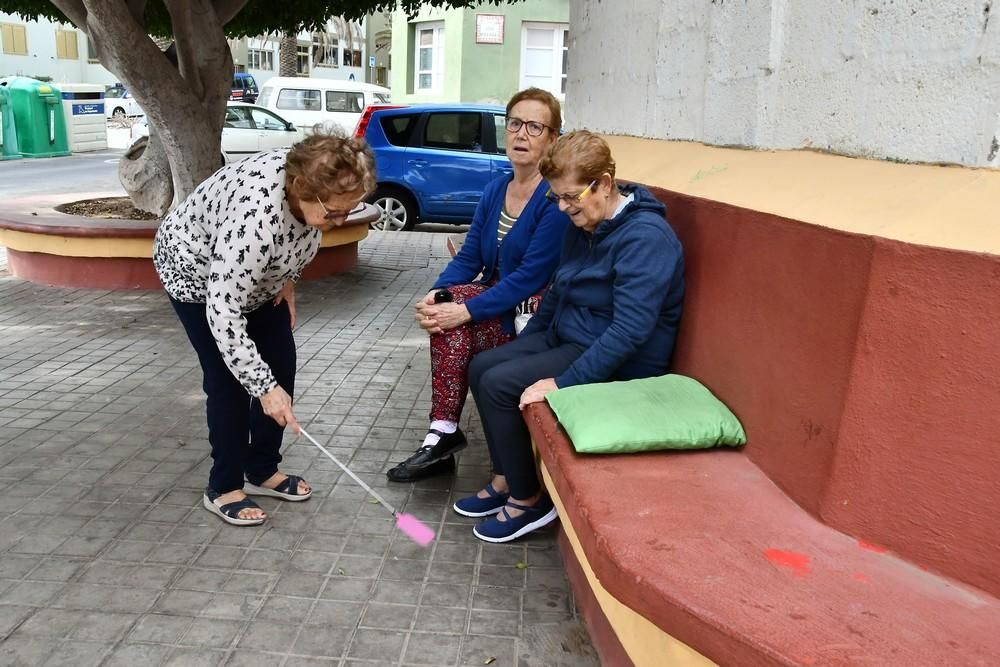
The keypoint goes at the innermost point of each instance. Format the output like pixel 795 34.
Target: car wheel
pixel 398 210
pixel 118 113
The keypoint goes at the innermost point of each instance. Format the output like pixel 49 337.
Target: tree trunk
pixel 184 105
pixel 288 55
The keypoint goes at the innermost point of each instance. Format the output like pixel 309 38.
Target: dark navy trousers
pixel 497 378
pixel 244 440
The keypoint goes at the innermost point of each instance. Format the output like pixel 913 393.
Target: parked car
pixel 248 129
pixel 307 102
pixel 119 104
pixel 433 161
pixel 244 88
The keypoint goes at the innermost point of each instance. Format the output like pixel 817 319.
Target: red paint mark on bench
pixel 796 562
pixel 872 547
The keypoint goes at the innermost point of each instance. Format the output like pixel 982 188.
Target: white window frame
pixel 260 59
pixel 556 47
pixel 436 72
pixel 328 47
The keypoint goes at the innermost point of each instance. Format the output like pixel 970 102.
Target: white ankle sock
pixel 431 439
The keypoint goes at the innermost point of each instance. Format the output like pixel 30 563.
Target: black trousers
pixel 244 440
pixel 497 378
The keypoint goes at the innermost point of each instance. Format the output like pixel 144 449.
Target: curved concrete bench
pixel 53 248
pixel 858 525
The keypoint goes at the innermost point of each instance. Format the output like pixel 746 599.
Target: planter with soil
pixel 102 241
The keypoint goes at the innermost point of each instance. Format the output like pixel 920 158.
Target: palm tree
pixel 288 54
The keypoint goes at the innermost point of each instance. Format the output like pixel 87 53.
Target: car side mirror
pixel 290 127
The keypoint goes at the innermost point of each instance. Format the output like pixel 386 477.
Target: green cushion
pixel 668 412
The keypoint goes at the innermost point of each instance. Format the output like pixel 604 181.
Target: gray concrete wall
pixel 913 80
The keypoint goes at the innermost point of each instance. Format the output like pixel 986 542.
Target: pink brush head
pixel 414 529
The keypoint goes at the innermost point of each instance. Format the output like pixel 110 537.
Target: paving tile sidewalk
pixel 106 557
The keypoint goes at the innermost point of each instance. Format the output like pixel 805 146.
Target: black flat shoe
pixel 430 461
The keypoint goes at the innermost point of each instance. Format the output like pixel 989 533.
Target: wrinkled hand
pixel 537 392
pixel 287 293
pixel 435 318
pixel 277 405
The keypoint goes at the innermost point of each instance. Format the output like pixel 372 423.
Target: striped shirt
pixel 506 222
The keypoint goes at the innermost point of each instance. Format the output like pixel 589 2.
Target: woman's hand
pixel 287 293
pixel 435 318
pixel 451 315
pixel 537 392
pixel 277 405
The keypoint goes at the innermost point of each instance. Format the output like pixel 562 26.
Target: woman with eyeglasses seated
pixel 611 313
pixel 508 256
pixel 229 256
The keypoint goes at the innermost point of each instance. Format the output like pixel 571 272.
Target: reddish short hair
pixel 581 154
pixel 546 98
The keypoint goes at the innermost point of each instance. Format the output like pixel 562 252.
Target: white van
pixel 307 101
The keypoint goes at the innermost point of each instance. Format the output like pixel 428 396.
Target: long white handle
pixel 347 470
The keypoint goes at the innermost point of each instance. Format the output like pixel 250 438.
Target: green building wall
pixel 472 72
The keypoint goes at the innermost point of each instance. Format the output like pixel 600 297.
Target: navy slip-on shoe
pixel 540 515
pixel 475 506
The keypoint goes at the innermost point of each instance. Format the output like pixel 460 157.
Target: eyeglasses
pixel 570 200
pixel 532 127
pixel 339 215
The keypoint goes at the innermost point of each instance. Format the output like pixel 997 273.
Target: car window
pixel 265 96
pixel 266 121
pixel 237 118
pixel 501 129
pixel 380 98
pixel 398 129
pixel 459 131
pixel 300 99
pixel 339 100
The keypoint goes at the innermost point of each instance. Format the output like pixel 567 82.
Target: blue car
pixel 433 161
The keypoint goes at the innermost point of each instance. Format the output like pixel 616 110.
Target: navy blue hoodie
pixel 617 293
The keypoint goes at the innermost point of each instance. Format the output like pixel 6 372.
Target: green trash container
pixel 38 117
pixel 8 135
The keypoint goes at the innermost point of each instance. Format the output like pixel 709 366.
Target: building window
pixel 14 38
pixel 92 52
pixel 544 49
pixel 429 57
pixel 325 46
pixel 302 61
pixel 260 59
pixel 66 48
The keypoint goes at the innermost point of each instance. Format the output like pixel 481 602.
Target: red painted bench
pixel 859 524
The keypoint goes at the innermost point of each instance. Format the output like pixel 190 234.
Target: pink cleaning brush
pixel 411 526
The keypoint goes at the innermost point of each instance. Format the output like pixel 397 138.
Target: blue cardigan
pixel 524 261
pixel 617 294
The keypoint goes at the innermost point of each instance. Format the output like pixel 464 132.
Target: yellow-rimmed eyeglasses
pixel 570 200
pixel 532 127
pixel 339 215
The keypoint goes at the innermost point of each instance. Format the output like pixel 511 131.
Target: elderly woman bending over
pixel 611 313
pixel 229 257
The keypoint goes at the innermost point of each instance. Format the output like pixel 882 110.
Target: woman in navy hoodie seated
pixel 611 313
pixel 513 246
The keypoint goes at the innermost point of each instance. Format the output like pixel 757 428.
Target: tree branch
pixel 137 8
pixel 227 10
pixel 74 11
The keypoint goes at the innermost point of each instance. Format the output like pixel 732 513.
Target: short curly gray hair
pixel 328 162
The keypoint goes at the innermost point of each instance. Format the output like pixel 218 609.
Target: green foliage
pixel 258 17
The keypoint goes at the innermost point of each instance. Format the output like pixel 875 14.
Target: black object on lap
pixel 443 296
